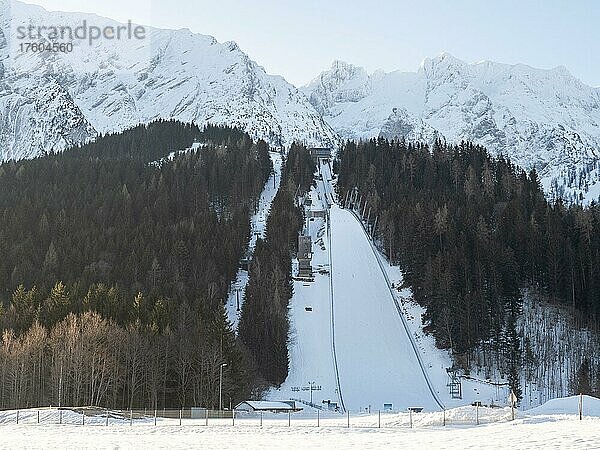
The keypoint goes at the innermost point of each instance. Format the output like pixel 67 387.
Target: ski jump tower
pixel 305 245
pixel 304 256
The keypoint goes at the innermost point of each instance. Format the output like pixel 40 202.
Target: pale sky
pixel 298 39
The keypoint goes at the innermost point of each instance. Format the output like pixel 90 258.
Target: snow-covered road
pixel 258 223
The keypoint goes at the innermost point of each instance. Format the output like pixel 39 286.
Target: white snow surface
pixel 376 361
pixel 528 431
pixel 49 101
pixel 545 119
pixel 568 405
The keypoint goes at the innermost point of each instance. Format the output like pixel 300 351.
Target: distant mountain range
pixel 545 119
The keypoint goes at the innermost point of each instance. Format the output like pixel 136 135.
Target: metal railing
pixel 94 416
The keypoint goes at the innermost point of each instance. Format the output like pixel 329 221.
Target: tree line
pixel 470 231
pixel 116 262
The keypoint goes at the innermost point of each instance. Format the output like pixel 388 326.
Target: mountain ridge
pixel 107 87
pixel 541 118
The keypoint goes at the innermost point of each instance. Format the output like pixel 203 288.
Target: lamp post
pixel 221 386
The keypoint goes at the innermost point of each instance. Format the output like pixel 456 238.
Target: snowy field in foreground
pixel 539 432
pixel 553 425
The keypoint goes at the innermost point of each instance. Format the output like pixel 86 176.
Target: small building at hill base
pixel 266 406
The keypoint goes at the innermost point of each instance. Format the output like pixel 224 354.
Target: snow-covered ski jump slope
pixel 352 343
pixel 375 356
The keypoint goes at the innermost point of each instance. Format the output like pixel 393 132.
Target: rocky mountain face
pixel 51 100
pixel 543 119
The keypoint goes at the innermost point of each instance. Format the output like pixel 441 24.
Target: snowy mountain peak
pixel 541 118
pixel 346 71
pixel 444 61
pixel 343 82
pixel 115 84
pixel 342 76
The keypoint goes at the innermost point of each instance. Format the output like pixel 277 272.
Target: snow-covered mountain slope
pixel 51 100
pixel 545 119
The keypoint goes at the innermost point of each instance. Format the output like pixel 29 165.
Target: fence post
pixel 580 406
pixel 261 418
pixel 289 419
pixel 106 416
pixel 378 418
pixel 83 418
pixel 348 413
pixel 410 416
pixel 318 418
pixel 206 417
pixel 154 417
pixel 444 423
pixel 180 414
pixel 233 417
pixel 38 416
pixel 477 412
pixel 17 417
pixel 60 416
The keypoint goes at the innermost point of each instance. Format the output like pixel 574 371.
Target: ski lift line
pixel 402 318
pixel 335 364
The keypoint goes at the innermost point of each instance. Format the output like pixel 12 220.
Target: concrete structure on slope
pixel 304 256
